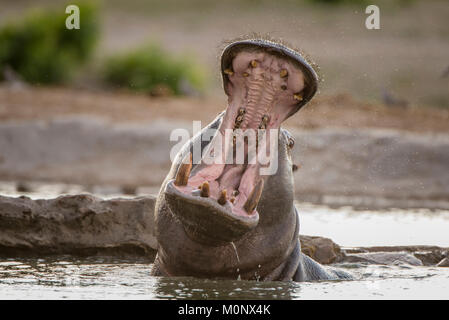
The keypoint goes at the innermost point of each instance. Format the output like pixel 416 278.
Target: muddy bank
pixel 85 225
pixel 360 167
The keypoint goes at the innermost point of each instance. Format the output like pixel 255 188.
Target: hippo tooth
pixel 253 63
pixel 229 72
pixel 254 197
pixel 182 176
pixel 222 199
pixel 283 73
pixel 205 190
pixel 245 74
pixel 232 199
pixel 297 96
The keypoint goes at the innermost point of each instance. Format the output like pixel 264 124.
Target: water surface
pixel 65 277
pixel 105 278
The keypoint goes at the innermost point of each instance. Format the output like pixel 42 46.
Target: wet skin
pixel 230 220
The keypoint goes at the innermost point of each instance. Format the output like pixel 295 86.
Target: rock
pixel 444 263
pixel 388 258
pixel 429 255
pixel 79 224
pixel 322 250
pixel 430 258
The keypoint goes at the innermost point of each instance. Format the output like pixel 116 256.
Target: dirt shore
pixel 324 111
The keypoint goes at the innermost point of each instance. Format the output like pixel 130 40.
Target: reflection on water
pixel 108 278
pixel 349 227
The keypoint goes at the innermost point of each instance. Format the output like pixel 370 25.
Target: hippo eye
pixel 291 143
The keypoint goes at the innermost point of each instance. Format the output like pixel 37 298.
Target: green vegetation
pixel 42 50
pixel 150 68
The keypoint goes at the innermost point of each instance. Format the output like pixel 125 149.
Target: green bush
pixel 150 67
pixel 42 50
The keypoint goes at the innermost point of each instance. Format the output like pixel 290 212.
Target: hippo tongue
pixel 263 90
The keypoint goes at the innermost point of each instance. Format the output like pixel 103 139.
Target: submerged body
pixel 237 219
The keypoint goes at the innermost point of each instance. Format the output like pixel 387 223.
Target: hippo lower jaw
pixel 205 220
pixel 220 200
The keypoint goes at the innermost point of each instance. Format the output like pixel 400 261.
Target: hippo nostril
pixel 284 87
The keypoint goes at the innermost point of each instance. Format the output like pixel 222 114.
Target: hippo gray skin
pixel 229 220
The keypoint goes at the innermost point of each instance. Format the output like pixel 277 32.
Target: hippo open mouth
pixel 266 83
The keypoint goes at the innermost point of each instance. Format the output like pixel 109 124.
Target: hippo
pixel 230 219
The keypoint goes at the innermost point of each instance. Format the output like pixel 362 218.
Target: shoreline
pixel 86 225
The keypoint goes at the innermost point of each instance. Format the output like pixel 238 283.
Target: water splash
pixel 235 250
pixel 238 259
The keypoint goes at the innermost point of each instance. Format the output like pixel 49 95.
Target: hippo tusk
pixel 182 176
pixel 223 198
pixel 205 190
pixel 254 197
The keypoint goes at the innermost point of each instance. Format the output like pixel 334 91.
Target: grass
pixel 153 70
pixel 42 50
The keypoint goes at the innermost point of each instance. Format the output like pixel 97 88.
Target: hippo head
pixel 266 83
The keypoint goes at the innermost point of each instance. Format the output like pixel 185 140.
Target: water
pixel 394 227
pixel 105 278
pixel 66 277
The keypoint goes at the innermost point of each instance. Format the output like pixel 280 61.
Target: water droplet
pixel 235 250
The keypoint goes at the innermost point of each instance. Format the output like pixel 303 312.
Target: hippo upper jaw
pixel 205 220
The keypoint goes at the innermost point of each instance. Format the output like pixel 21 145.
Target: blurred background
pixel 92 109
